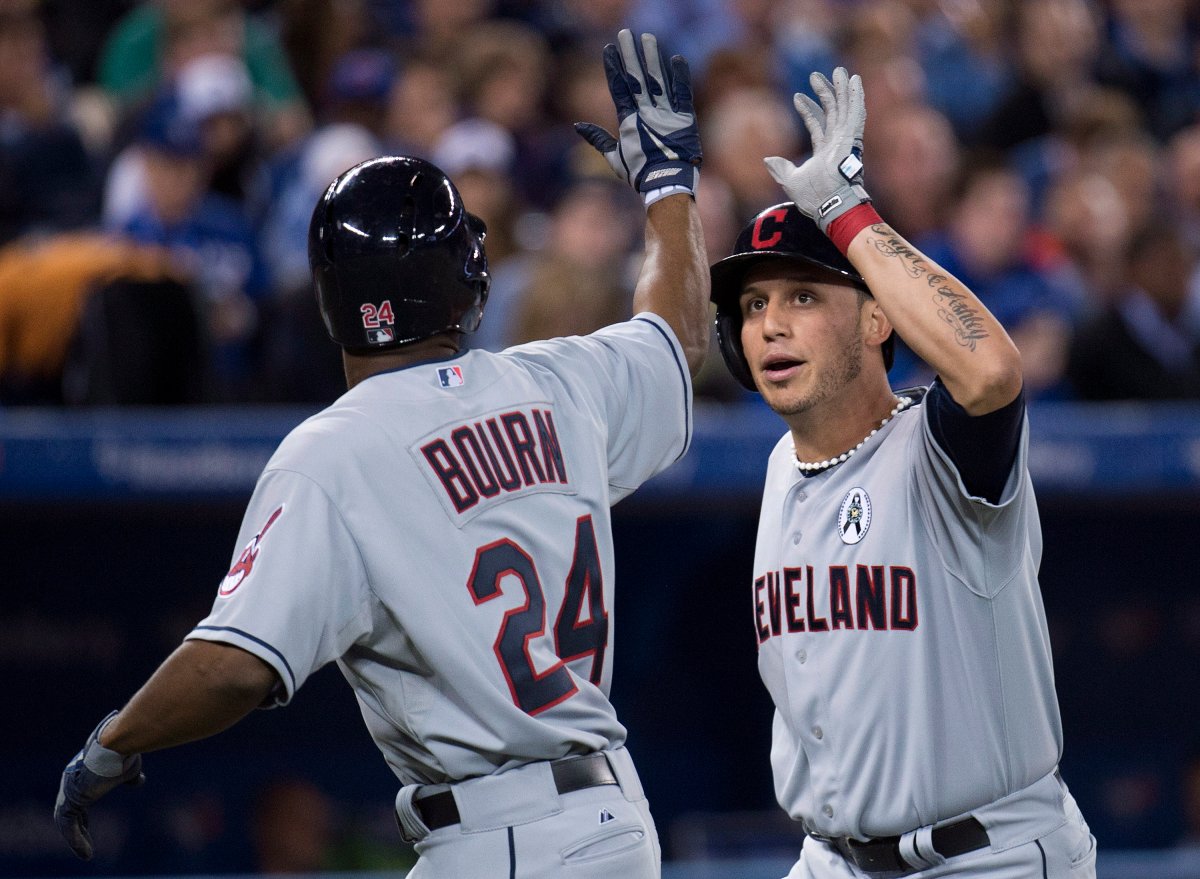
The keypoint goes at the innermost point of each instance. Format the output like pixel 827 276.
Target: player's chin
pixel 782 399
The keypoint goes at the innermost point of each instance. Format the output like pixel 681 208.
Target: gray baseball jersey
pixel 902 637
pixel 442 532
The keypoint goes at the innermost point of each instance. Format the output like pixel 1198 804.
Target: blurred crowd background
pixel 159 162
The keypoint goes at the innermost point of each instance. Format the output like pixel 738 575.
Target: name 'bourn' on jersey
pixel 443 533
pixel 497 455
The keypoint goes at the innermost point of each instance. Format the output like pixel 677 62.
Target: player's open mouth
pixel 777 369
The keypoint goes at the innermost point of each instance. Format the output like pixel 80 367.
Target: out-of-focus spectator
pixel 293 828
pixel 299 361
pixel 215 90
pixel 733 70
pixel 77 29
pixel 1152 57
pixel 1146 344
pixel 478 155
pixel 437 27
pixel 328 152
pixel 989 245
pixel 912 176
pixel 1183 169
pixel 692 28
pixel 584 25
pixel 579 92
pixel 316 33
pixel 562 298
pixel 207 234
pixel 1057 43
pixel 800 36
pixel 213 94
pixel 879 44
pixel 742 123
pixel 1132 163
pixel 155 39
pixel 576 280
pixel 44 286
pixel 359 89
pixel 1107 117
pixel 719 215
pixel 963 55
pixel 421 107
pixel 48 181
pixel 1086 218
pixel 502 70
pixel 721 223
pixel 354 124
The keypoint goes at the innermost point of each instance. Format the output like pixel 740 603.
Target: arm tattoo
pixel 954 308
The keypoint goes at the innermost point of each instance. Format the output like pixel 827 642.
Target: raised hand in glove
pixel 659 143
pixel 91 774
pixel 828 183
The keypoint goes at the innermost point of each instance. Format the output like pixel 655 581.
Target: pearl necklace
pixel 805 467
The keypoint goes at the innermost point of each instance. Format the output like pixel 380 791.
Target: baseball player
pixel 442 531
pixel 896 606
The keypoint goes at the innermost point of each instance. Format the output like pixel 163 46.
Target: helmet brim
pixel 728 274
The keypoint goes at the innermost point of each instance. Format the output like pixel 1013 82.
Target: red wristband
pixel 842 230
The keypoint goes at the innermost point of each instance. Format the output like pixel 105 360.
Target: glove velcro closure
pixel 846 198
pixel 103 761
pixel 662 174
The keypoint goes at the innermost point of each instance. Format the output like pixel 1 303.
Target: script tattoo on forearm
pixel 954 308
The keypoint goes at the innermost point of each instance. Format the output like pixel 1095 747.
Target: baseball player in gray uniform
pixel 895 598
pixel 442 531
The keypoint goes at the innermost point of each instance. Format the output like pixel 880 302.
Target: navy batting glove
pixel 659 143
pixel 91 774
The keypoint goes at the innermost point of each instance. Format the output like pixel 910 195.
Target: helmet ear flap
pixel 729 340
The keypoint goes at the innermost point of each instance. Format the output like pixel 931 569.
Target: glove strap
pixel 842 230
pixel 662 192
pixel 665 174
pixel 103 761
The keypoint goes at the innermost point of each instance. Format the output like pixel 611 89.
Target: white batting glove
pixel 829 182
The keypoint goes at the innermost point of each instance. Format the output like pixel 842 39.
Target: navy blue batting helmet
pixel 395 256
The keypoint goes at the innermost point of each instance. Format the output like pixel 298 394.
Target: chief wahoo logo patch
pixel 245 562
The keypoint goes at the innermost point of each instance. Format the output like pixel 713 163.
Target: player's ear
pixel 875 324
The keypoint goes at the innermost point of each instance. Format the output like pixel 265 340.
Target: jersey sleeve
pixel 982 447
pixel 296 594
pixel 634 379
pixel 983 541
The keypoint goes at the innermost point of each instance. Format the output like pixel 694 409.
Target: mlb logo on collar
pixel 450 376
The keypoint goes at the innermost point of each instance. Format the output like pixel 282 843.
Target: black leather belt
pixel 570 774
pixel 882 855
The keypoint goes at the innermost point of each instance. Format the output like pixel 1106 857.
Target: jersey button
pixel 795 537
pixel 827 810
pixel 802 655
pixel 818 733
pixel 801 496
